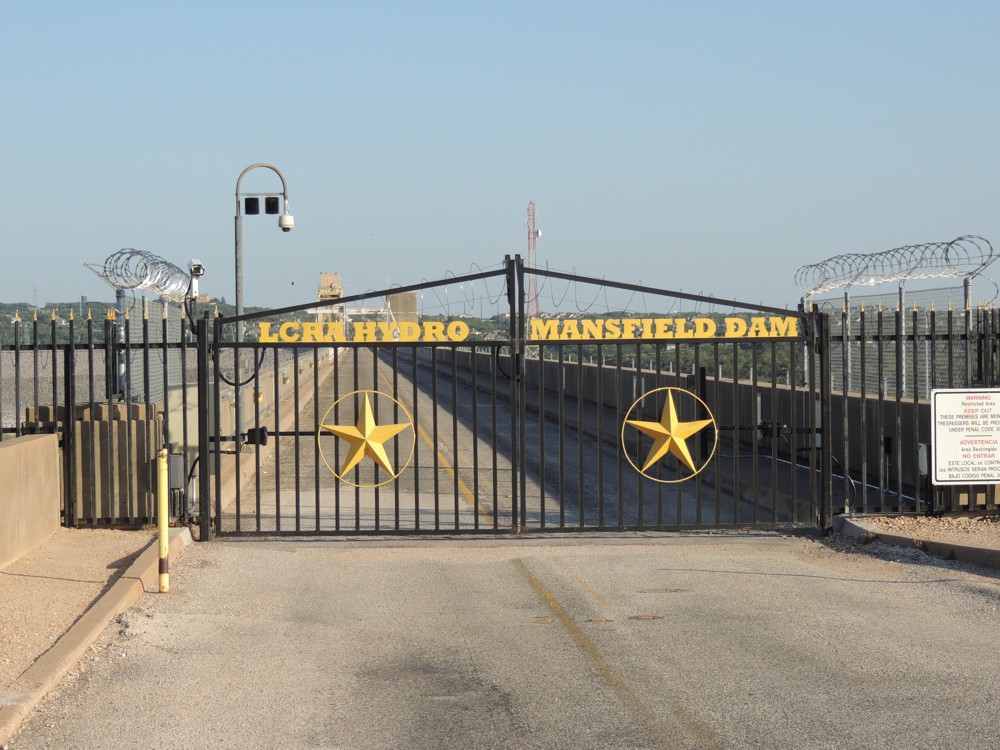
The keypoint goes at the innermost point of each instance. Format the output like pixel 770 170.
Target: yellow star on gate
pixel 669 434
pixel 366 438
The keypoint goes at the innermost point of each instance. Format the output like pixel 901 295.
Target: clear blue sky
pixel 703 146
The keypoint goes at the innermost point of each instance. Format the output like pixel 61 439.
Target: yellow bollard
pixel 162 513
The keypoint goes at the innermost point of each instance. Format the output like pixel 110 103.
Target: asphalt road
pixel 714 641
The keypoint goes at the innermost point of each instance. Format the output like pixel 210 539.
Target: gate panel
pixel 650 418
pixel 388 427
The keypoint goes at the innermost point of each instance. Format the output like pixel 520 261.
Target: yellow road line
pixel 463 488
pixel 594 593
pixel 638 708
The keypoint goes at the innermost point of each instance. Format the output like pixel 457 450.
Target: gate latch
pixel 255 436
pixel 769 430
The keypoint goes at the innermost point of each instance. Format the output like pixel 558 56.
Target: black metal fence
pixel 509 433
pixel 114 390
pixel 885 364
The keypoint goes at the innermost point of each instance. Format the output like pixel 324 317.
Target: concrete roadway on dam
pixel 458 474
pixel 610 642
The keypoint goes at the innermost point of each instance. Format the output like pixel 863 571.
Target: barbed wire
pixel 134 269
pixel 962 257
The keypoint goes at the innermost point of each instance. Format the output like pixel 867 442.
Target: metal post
pixel 239 236
pixel 519 366
pixel 69 431
pixel 238 242
pixel 162 518
pixel 286 223
pixel 515 386
pixel 826 421
pixel 204 454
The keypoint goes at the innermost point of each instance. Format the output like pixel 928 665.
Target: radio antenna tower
pixel 533 234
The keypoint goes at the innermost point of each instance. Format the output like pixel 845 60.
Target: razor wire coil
pixel 962 257
pixel 129 268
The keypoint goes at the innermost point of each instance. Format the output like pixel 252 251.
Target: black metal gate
pixel 389 413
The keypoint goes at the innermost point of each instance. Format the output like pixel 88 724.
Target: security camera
pixel 197 269
pixel 286 222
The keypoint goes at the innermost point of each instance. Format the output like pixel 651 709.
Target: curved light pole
pixel 285 222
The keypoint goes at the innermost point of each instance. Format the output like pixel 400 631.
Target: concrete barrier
pixel 31 495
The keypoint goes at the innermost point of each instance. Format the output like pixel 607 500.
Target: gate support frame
pixel 821 346
pixel 204 455
pixel 69 431
pixel 519 488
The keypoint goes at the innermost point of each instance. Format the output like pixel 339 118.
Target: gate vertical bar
pixel 619 511
pixel 826 421
pixel 456 491
pixel 793 420
pixel 239 418
pixel 128 442
pixel 276 371
pixel 92 457
pixel 315 442
pixel 69 429
pixel 880 410
pixel 863 421
pixel 34 373
pixel 755 433
pixel 204 456
pixel 515 297
pixel 845 388
pixel 258 356
pixel 184 409
pixel 298 458
pixel 111 388
pixel 897 449
pixel 217 417
pixel 474 358
pixel 580 495
pixel 435 441
pixel 915 414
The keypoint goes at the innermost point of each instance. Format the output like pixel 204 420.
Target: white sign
pixel 966 443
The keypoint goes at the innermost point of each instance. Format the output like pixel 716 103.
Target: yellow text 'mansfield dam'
pixel 617 329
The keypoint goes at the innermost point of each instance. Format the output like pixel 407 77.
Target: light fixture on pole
pixel 285 222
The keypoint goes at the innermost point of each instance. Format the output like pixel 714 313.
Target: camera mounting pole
pixel 285 222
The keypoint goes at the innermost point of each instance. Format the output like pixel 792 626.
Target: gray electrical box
pixel 183 402
pixel 924 459
pixel 175 471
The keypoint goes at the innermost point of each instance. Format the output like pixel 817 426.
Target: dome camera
pixel 286 222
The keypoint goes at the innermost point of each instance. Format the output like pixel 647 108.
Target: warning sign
pixel 966 444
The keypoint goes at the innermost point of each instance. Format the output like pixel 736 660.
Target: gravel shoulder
pixel 972 531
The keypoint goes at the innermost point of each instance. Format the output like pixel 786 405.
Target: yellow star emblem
pixel 670 434
pixel 366 438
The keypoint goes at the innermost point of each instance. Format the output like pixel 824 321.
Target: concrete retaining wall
pixel 30 497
